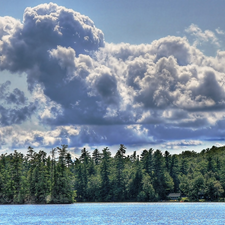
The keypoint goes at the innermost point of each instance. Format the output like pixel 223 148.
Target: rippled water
pixel 114 213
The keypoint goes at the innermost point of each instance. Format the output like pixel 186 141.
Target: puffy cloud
pixel 43 28
pixel 15 116
pixel 45 46
pixel 14 108
pixel 152 87
pixel 4 87
pixel 14 136
pixel 75 136
pixel 86 91
pixel 17 97
pixel 48 110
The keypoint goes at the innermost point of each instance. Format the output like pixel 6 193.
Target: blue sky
pixel 142 73
pixel 136 22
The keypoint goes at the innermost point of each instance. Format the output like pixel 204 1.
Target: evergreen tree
pixel 174 172
pixel 119 185
pixel 183 166
pixel 160 183
pixel 62 191
pixel 104 171
pixel 96 156
pixel 135 185
pixel 38 178
pixel 167 157
pixel 146 159
pixel 148 189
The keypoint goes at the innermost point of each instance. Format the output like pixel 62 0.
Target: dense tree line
pixel 36 178
pixel 39 178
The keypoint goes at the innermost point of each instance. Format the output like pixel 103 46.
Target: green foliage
pixel 57 178
pixel 148 188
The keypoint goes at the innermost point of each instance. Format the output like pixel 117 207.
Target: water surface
pixel 114 213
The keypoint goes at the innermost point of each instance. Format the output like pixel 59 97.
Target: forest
pixel 39 178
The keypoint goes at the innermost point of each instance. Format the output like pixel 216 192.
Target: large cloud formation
pixel 87 91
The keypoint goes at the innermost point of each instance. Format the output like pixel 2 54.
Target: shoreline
pixel 165 202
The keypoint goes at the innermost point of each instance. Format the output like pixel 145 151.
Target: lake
pixel 114 213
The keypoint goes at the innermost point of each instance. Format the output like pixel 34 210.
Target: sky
pixel 146 74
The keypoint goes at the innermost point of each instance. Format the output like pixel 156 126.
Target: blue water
pixel 114 213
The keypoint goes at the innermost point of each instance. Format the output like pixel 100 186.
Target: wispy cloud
pixel 202 36
pixel 219 31
pixel 181 144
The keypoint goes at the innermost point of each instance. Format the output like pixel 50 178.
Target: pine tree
pixel 96 156
pixel 104 171
pixel 62 191
pixel 119 185
pixel 174 172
